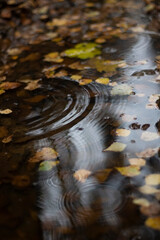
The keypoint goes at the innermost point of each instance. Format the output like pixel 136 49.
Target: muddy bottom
pixel 79 120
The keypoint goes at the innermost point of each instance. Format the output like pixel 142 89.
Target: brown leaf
pixel 7 139
pixel 82 174
pixel 152 210
pixel 36 99
pixel 32 85
pixel 45 153
pixel 9 85
pixel 6 111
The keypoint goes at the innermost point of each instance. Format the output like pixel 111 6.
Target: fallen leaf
pixel 83 51
pixel 149 152
pixel 142 202
pixel 102 175
pixel 76 77
pixel 85 81
pixel 35 99
pixel 45 153
pixel 14 51
pixel 116 147
pixel 47 165
pixel 153 179
pixel 6 111
pixel 137 161
pixel 121 89
pixel 7 139
pixel 30 57
pixel 32 85
pixel 128 118
pixel 149 136
pixel 152 210
pixel 129 171
pixel 9 85
pixel 81 175
pixel 138 29
pixel 122 132
pixel 153 222
pixel 102 80
pixel 1 91
pixel 148 190
pixel 53 57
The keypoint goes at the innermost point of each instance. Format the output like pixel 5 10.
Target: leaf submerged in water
pixel 83 51
pixel 45 153
pixel 47 165
pixel 81 175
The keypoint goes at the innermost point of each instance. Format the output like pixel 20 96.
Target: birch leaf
pixel 102 80
pixel 148 190
pixel 153 222
pixel 45 153
pixel 81 175
pixel 122 132
pixel 142 202
pixel 137 161
pixel 116 147
pixel 149 136
pixel 129 171
pixel 153 179
pixel 121 89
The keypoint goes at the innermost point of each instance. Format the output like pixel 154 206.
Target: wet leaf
pixel 149 152
pixel 7 139
pixel 102 175
pixel 1 91
pixel 85 81
pixel 128 118
pixel 32 85
pixel 153 179
pixel 146 189
pixel 81 175
pixel 53 57
pixel 137 161
pixel 14 51
pixel 142 202
pixel 45 153
pixel 104 65
pixel 116 147
pixel 152 101
pixel 47 165
pixel 76 77
pixel 102 80
pixel 9 85
pixel 149 136
pixel 121 89
pixel 152 210
pixel 122 132
pixel 153 222
pixel 6 111
pixel 83 51
pixel 129 171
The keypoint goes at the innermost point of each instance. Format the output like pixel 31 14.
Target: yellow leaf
pixel 153 179
pixel 85 81
pixel 141 201
pixel 122 132
pixel 1 91
pixel 116 147
pixel 76 77
pixel 137 161
pixel 45 153
pixel 102 80
pixel 129 171
pixel 32 85
pixel 53 57
pixel 149 136
pixel 148 190
pixel 102 175
pixel 82 174
pixel 153 222
pixel 6 111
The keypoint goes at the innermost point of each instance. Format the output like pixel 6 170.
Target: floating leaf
pixel 129 171
pixel 47 165
pixel 153 179
pixel 14 51
pixel 102 80
pixel 102 175
pixel 9 85
pixel 104 65
pixel 83 50
pixel 128 118
pixel 76 77
pixel 149 136
pixel 7 139
pixel 32 85
pixel 6 111
pixel 152 210
pixel 121 89
pixel 149 152
pixel 36 99
pixel 137 161
pixel 82 174
pixel 85 81
pixel 122 132
pixel 53 57
pixel 148 190
pixel 153 222
pixel 45 153
pixel 141 201
pixel 1 91
pixel 116 147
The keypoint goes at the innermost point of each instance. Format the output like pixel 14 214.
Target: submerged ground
pixel 79 119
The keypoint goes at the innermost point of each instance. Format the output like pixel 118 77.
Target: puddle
pixel 79 129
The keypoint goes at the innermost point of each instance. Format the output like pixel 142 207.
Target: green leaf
pixel 83 51
pixel 47 165
pixel 121 89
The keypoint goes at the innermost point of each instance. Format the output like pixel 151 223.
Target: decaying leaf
pixel 142 202
pixel 137 161
pixel 146 189
pixel 36 99
pixel 32 85
pixel 47 165
pixel 149 136
pixel 53 57
pixel 129 171
pixel 6 111
pixel 153 222
pixel 81 175
pixel 116 147
pixel 83 51
pixel 9 85
pixel 7 139
pixel 122 132
pixel 121 89
pixel 102 80
pixel 153 179
pixel 45 153
pixel 149 152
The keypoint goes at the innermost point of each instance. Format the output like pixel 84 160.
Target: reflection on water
pixel 80 122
